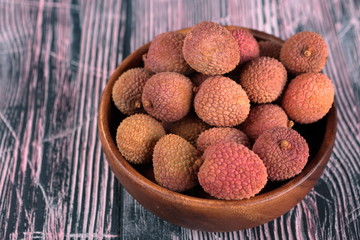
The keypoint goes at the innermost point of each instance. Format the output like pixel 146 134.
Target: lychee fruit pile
pixel 215 108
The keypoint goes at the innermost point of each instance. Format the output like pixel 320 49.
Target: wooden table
pixel 55 59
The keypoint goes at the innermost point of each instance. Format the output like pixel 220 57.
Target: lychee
pixel 248 46
pixel 165 54
pixel 176 163
pixel 263 79
pixel 127 90
pixel 168 96
pixel 263 117
pixel 269 49
pixel 189 128
pixel 283 151
pixel 219 134
pixel 221 102
pixel 136 137
pixel 231 171
pixel 210 48
pixel 304 52
pixel 308 97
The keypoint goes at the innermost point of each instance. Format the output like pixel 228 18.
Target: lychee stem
pixel 137 104
pixel 307 53
pixel 195 89
pixel 290 124
pixel 147 104
pixel 284 144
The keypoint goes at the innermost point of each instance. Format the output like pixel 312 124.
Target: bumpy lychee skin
pixel 176 163
pixel 263 117
pixel 210 48
pixel 231 171
pixel 304 52
pixel 127 90
pixel 221 102
pixel 136 137
pixel 217 135
pixel 168 96
pixel 263 79
pixel 189 128
pixel 283 151
pixel 308 97
pixel 165 54
pixel 269 49
pixel 248 46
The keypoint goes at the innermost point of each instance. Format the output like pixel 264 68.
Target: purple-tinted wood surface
pixel 55 59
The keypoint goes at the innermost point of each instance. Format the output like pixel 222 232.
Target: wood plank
pixel 54 188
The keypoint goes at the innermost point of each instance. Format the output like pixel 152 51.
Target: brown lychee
pixel 165 54
pixel 231 171
pixel 263 79
pixel 304 52
pixel 189 128
pixel 263 117
pixel 127 90
pixel 308 97
pixel 210 48
pixel 219 134
pixel 221 102
pixel 176 163
pixel 269 49
pixel 136 137
pixel 168 96
pixel 283 151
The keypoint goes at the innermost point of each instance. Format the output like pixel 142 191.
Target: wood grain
pixel 55 59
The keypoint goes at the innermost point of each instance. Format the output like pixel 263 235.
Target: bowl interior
pixel 313 133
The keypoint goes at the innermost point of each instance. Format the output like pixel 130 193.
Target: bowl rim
pixel 124 167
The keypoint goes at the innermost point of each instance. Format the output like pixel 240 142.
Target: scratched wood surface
pixel 55 58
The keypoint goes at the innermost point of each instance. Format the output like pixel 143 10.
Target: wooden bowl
pixel 194 209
